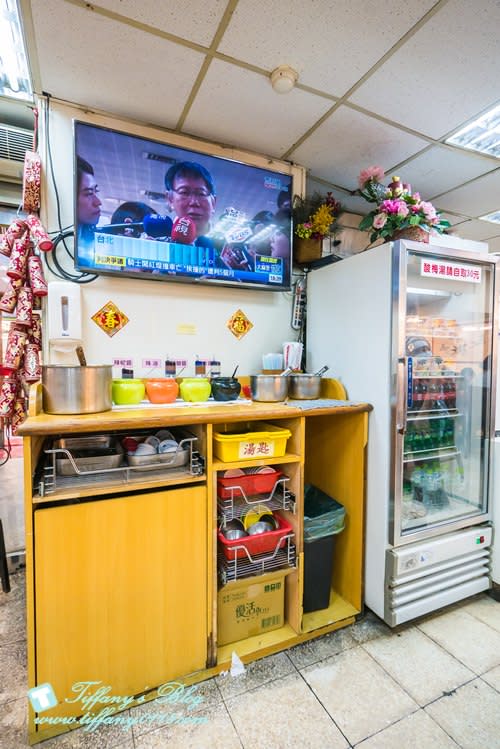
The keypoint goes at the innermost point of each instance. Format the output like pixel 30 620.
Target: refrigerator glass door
pixel 446 337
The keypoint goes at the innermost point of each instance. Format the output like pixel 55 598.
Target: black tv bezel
pixel 207 149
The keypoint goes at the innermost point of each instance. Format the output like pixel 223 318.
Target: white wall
pixel 158 311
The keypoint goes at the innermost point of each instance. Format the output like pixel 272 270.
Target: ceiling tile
pixel 480 230
pixel 417 86
pixel 440 169
pixel 350 203
pixel 155 86
pixel 331 45
pixel 239 107
pixel 475 199
pixel 349 141
pixel 494 244
pixel 200 26
pixel 353 203
pixel 453 219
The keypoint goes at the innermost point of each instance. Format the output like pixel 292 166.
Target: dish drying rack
pixel 248 565
pixel 235 506
pixel 50 480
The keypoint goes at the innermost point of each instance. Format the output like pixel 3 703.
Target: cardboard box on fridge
pixel 251 606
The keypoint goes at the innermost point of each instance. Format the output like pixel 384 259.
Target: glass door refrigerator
pixel 409 328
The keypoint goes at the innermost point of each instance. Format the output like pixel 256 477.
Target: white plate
pixel 231 473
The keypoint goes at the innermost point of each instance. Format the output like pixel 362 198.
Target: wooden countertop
pixel 42 423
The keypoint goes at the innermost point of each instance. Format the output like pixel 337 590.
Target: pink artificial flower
pixel 390 206
pixel 375 173
pixel 402 209
pixel 429 210
pixel 379 220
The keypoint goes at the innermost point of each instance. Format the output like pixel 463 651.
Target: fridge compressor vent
pixel 411 596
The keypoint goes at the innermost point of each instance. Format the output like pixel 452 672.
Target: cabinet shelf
pixel 95 486
pixel 218 465
pixel 261 644
pixel 338 609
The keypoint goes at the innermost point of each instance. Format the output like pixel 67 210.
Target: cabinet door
pixel 121 592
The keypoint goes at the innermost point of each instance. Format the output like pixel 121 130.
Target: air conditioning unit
pixel 14 141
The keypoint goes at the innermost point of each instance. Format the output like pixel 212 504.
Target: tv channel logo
pixel 42 697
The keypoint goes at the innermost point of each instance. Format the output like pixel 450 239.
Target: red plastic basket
pixel 247 485
pixel 260 544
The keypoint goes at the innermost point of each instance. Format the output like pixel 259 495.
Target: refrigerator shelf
pixel 440 376
pixel 417 416
pixel 435 452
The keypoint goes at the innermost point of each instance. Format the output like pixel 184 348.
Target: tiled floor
pixel 430 685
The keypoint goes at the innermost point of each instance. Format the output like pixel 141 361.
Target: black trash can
pixel 324 518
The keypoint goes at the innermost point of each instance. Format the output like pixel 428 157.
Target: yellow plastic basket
pixel 268 442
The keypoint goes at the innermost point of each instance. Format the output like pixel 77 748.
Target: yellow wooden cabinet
pixel 122 583
pixel 121 589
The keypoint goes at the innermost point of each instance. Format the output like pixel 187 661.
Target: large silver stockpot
pixel 76 390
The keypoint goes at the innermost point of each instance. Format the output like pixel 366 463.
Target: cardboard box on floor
pixel 250 606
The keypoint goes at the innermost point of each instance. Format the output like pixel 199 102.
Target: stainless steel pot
pixel 76 390
pixel 269 388
pixel 306 386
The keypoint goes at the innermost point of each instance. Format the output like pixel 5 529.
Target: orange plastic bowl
pixel 162 390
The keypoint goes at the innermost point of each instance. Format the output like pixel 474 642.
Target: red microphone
pixel 184 230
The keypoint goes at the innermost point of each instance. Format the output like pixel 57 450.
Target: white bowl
pixel 167 446
pixel 145 449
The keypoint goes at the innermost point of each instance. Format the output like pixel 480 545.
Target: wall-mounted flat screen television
pixel 153 210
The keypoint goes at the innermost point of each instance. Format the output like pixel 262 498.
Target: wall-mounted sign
pixel 451 271
pixel 110 319
pixel 239 324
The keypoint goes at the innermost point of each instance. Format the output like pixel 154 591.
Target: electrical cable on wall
pixel 63 233
pixel 299 309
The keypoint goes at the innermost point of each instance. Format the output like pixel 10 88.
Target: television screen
pixel 148 209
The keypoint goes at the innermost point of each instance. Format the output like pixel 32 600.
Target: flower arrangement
pixel 314 217
pixel 397 207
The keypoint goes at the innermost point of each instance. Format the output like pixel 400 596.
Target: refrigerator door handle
pixel 402 394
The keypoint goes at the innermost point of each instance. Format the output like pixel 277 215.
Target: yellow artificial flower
pixel 322 220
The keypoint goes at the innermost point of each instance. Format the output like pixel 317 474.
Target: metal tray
pixel 162 460
pixel 91 453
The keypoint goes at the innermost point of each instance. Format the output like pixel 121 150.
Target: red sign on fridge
pixel 451 271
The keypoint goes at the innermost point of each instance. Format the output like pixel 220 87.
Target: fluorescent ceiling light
pixel 482 135
pixel 14 73
pixel 494 217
